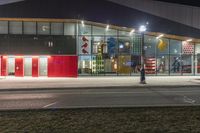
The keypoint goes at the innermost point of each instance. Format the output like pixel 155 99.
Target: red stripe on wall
pixel 4 66
pixel 35 69
pixel 19 67
pixel 62 66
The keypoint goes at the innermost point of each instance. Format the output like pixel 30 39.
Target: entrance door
pixel 27 66
pixel 11 66
pixel 43 61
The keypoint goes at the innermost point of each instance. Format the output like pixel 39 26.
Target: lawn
pixel 105 120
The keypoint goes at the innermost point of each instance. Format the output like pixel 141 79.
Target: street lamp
pixel 142 30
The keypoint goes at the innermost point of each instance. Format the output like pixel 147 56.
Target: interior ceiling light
pixel 160 36
pixel 189 40
pixel 132 31
pixel 107 27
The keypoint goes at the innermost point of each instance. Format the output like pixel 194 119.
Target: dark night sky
pixel 185 2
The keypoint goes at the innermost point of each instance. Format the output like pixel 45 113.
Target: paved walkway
pixel 13 83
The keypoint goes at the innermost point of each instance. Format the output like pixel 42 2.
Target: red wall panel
pixel 63 66
pixel 3 65
pixel 35 68
pixel 19 67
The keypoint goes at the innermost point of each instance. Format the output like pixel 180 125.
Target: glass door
pixel 43 61
pixel 27 66
pixel 11 66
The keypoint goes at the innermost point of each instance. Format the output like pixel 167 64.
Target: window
pixel 43 28
pixel 187 64
pixel 162 46
pixel 175 65
pixel 69 29
pixel 99 45
pixel 85 65
pixel 150 45
pixel 162 64
pixel 84 29
pixel 187 57
pixel 125 44
pixel 175 47
pixel 124 65
pixel 3 27
pixel 197 49
pixel 15 27
pixel 30 28
pixel 98 30
pixel 124 33
pixel 57 28
pixel 84 46
pixel 111 32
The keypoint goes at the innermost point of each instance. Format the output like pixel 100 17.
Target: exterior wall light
pixel 142 28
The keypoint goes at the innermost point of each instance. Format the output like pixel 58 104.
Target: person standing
pixel 142 78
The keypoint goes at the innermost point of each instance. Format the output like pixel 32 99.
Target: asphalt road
pixel 82 98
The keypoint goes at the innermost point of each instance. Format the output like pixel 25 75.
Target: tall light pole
pixel 142 30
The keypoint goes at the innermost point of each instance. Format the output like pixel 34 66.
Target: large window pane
pixel 124 65
pixel 187 64
pixel 30 28
pixel 84 29
pixel 175 47
pixel 162 46
pixel 85 65
pixel 125 44
pixel 97 65
pixel 15 27
pixel 43 28
pixel 99 46
pixel 110 64
pixel 3 27
pixel 69 29
pixel 112 45
pixel 150 43
pixel 197 49
pixel 135 64
pixel 84 46
pixel 111 32
pixel 175 65
pixel 98 30
pixel 162 65
pixel 124 33
pixel 137 41
pixel 57 28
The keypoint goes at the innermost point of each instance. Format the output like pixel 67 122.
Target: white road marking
pixel 48 105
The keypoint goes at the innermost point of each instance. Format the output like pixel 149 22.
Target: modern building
pixel 94 38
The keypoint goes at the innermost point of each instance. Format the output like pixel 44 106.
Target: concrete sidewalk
pixel 27 83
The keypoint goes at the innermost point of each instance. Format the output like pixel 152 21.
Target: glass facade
pixel 101 51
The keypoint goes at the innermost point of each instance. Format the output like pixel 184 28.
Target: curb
pixel 102 87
